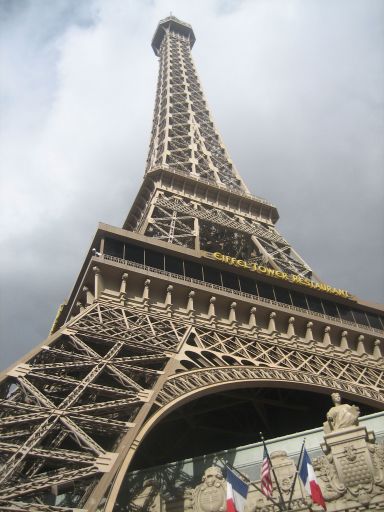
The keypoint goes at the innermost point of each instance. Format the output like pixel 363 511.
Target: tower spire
pixel 192 194
pixel 184 137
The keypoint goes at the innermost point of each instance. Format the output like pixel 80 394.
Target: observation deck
pixel 175 25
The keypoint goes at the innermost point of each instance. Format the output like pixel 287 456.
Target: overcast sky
pixel 296 88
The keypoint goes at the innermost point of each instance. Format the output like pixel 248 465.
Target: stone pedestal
pixel 351 472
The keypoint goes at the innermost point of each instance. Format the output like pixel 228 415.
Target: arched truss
pixel 206 380
pixel 71 411
pixel 190 385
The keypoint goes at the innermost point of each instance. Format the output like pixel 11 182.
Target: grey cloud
pixel 296 89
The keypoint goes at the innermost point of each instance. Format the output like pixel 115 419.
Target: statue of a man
pixel 341 415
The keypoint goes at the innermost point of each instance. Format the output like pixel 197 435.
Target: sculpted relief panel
pixel 210 495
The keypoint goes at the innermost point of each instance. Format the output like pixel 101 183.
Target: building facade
pixel 188 330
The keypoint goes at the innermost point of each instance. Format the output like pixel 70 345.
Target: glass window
pixel 174 265
pixel 298 300
pixel 134 253
pixel 154 259
pixel 114 247
pixel 265 290
pixel 212 275
pixel 360 317
pixel 230 280
pixel 193 269
pixel 345 313
pixel 282 295
pixel 330 308
pixel 315 304
pixel 247 285
pixel 374 321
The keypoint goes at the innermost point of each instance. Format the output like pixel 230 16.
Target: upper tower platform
pixel 173 24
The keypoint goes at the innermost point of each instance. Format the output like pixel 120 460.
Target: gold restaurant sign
pixel 292 278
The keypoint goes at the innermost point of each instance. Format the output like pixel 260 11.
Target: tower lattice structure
pixel 197 292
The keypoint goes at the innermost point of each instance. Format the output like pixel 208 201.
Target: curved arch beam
pixel 185 387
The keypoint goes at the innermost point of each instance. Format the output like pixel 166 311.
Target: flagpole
pixel 248 480
pixel 273 471
pixel 297 472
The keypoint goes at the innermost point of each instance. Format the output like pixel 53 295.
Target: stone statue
pixel 210 495
pixel 341 415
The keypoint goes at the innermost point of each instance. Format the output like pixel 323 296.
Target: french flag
pixel 237 492
pixel 308 477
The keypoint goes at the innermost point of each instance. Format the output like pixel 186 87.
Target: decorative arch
pixel 185 387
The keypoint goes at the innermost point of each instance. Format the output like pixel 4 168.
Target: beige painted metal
pixel 108 375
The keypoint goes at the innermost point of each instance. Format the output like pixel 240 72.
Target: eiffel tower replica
pixel 196 294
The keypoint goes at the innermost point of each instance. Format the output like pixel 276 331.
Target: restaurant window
pixel 230 280
pixel 265 290
pixel 282 295
pixel 247 285
pixel 345 313
pixel 330 308
pixel 211 275
pixel 114 247
pixel 134 253
pixel 315 304
pixel 154 259
pixel 360 317
pixel 374 321
pixel 174 265
pixel 298 300
pixel 193 270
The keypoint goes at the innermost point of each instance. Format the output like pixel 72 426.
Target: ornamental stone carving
pixel 351 471
pixel 210 495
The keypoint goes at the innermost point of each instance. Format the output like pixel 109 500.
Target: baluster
pixel 360 349
pixel 252 319
pixel 377 349
pixel 168 300
pixel 291 327
pixel 211 310
pixel 327 337
pixel 309 333
pixel 123 288
pixel 232 316
pixel 272 324
pixel 344 341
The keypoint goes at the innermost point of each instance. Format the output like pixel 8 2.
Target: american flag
pixel 265 477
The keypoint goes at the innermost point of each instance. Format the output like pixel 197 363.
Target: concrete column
pixel 98 282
